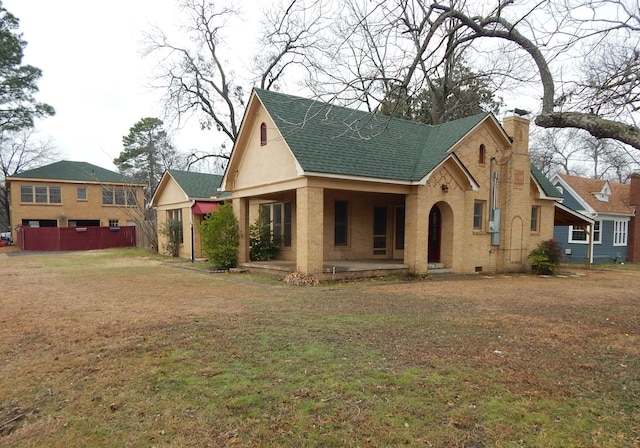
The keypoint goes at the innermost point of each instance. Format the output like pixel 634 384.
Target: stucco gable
pixel 253 163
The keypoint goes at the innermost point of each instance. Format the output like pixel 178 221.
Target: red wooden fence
pixel 75 238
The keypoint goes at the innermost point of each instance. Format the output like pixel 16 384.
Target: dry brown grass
pixel 118 348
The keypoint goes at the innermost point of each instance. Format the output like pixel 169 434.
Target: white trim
pixel 622 233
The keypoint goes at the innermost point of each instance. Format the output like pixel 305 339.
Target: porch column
pixel 416 234
pixel 310 229
pixel 241 212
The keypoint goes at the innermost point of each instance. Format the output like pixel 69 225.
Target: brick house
pixel 186 197
pixel 73 194
pixel 342 184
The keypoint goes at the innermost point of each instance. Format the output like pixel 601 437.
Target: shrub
pixel 221 237
pixel 263 244
pixel 545 258
pixel 172 229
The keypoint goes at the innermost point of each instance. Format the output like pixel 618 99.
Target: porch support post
pixel 310 229
pixel 416 235
pixel 241 212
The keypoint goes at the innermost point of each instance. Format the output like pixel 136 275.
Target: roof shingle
pixel 198 185
pixel 337 140
pixel 584 187
pixel 74 171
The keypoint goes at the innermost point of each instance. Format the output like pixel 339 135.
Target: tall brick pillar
pixel 633 253
pixel 513 195
pixel 310 229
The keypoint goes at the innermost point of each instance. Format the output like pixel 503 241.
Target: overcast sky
pixel 93 72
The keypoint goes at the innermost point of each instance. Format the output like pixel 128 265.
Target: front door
pixel 435 232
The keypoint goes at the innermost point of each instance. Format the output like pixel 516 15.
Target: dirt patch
pixel 98 348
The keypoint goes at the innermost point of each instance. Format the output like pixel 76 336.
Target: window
pixel 119 197
pixel 132 199
pixel 481 154
pixel 620 233
pixel 281 222
pixel 379 230
pixel 286 237
pixel 340 223
pixel 579 234
pixel 174 221
pixel 277 219
pixel 535 218
pixel 26 194
pixel 478 215
pixel 81 194
pixel 596 232
pixel 263 134
pixel 40 194
pixel 113 223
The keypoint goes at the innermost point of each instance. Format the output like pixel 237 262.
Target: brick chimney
pixel 517 127
pixel 633 244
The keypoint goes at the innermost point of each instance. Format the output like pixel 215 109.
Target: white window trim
pixel 624 232
pixel 598 241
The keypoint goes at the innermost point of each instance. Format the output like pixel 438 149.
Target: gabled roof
pixel 66 170
pixel 545 184
pixel 584 188
pixel 337 140
pixel 198 185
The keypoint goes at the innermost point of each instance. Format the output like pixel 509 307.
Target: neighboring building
pixel 343 184
pixel 186 197
pixel 73 194
pixel 612 209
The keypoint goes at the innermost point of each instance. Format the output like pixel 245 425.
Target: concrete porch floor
pixel 334 269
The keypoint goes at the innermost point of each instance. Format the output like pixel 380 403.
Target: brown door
pixel 435 232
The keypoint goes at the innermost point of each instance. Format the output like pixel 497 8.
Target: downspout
pixel 192 232
pixel 494 217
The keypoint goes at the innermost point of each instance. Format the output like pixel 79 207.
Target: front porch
pixel 341 269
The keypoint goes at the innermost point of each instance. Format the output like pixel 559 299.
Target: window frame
pixel 79 197
pixel 263 134
pixel 482 154
pixel 119 197
pixel 534 226
pixel 479 219
pixel 596 232
pixel 620 232
pixel 175 214
pixel 40 195
pixel 341 223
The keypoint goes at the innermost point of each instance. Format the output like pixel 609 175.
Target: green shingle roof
pixel 337 140
pixel 74 171
pixel 546 185
pixel 198 185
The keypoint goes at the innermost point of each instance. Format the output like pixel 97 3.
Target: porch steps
pixel 437 269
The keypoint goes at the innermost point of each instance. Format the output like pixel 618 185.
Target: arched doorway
pixel 435 235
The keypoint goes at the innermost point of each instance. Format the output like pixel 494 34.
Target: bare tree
pixel 576 152
pixel 202 77
pixel 20 151
pixel 412 42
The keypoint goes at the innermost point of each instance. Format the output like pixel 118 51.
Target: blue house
pixel 609 204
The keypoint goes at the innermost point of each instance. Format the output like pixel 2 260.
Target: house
pixel 186 198
pixel 612 207
pixel 346 185
pixel 70 194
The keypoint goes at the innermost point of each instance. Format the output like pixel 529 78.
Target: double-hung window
pixel 620 233
pixel 40 194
